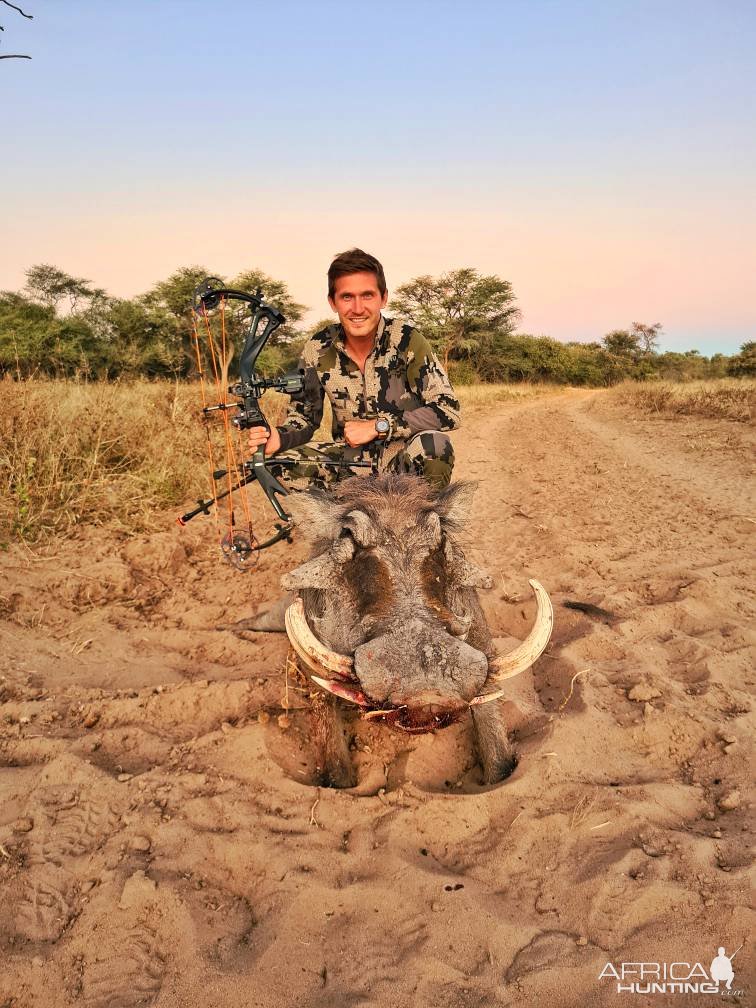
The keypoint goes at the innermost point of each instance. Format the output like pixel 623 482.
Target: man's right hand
pixel 260 436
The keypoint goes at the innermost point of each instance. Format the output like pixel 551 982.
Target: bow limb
pixel 269 483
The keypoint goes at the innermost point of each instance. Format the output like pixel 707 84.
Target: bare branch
pixel 22 13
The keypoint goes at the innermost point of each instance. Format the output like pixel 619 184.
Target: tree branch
pixel 22 13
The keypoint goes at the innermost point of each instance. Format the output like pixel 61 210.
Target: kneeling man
pixel 382 378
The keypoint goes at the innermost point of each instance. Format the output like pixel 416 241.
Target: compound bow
pixel 239 545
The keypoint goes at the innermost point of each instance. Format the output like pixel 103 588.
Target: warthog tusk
pixel 509 665
pixel 340 690
pixel 313 653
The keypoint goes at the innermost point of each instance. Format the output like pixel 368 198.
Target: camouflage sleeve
pixel 306 407
pixel 427 378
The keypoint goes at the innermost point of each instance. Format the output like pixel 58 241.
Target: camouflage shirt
pixel 403 382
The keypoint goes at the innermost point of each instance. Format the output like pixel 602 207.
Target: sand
pixel 161 842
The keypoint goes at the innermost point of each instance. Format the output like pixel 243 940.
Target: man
pixel 383 381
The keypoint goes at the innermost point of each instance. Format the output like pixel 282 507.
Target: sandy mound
pixel 160 843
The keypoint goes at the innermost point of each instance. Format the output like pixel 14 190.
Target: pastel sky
pixel 599 155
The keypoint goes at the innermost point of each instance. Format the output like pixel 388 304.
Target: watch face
pixel 382 426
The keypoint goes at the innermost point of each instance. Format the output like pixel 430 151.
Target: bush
pixel 462 373
pixel 744 364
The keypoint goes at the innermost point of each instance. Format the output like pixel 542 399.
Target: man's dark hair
pixel 354 261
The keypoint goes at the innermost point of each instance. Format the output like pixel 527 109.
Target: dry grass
pixel 477 398
pixel 723 398
pixel 73 452
pixel 583 808
pixel 118 453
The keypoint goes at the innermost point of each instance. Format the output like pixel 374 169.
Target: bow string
pixel 237 406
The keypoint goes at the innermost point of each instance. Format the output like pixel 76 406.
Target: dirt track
pixel 160 844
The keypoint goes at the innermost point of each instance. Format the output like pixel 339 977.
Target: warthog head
pixel 388 615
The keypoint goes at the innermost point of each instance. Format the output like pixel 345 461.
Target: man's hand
pixel 260 436
pixel 359 432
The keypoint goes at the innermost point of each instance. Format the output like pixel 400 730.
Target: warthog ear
pixel 320 572
pixel 432 523
pixel 315 514
pixel 454 504
pixel 317 573
pixel 362 528
pixel 464 573
pixel 469 576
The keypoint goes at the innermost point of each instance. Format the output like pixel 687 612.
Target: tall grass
pixel 724 398
pixel 75 452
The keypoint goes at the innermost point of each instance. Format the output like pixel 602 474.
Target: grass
pixel 722 398
pixel 477 398
pixel 75 453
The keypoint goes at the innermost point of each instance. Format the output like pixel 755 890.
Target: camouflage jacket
pixel 403 381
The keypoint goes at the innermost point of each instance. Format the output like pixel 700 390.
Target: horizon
pixel 598 157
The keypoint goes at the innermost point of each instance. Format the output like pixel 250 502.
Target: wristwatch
pixel 383 427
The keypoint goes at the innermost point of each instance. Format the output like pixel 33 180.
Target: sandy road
pixel 161 846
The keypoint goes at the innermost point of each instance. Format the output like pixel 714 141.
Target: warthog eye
pixel 435 583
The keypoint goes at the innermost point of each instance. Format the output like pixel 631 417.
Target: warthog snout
pixel 419 666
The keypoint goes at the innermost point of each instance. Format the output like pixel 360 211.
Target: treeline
pixel 520 357
pixel 63 326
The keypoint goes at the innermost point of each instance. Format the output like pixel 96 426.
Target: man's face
pixel 358 302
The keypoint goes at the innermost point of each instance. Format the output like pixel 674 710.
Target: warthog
pixel 386 617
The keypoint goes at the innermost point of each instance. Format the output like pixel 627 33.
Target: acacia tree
pixel 33 339
pixel 638 341
pixel 142 341
pixel 58 325
pixel 275 293
pixel 52 287
pixel 460 312
pixel 622 343
pixel 171 300
pixel 647 336
pixel 168 304
pixel 72 299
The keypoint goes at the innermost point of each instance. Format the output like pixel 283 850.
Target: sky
pixel 600 156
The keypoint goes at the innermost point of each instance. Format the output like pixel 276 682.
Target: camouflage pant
pixel 429 454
